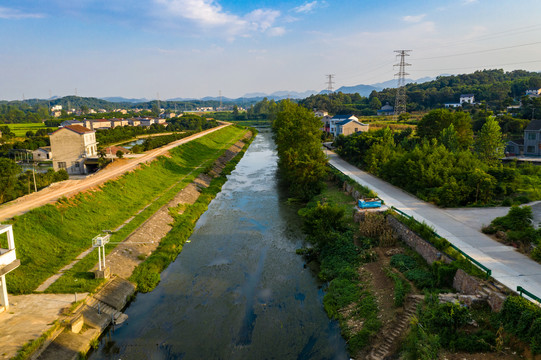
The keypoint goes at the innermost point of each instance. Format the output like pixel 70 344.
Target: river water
pixel 237 290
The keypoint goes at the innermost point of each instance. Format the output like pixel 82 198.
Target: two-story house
pixel 532 138
pixel 339 118
pixel 350 126
pixel 71 146
pixel 533 92
pixel 467 98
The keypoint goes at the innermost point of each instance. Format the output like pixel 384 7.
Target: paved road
pixel 70 187
pixel 508 266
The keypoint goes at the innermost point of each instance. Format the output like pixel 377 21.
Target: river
pixel 237 290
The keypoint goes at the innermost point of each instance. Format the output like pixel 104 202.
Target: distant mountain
pixel 119 99
pixel 363 90
pixel 279 95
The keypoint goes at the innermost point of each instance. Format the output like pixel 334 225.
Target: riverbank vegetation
pixel 51 236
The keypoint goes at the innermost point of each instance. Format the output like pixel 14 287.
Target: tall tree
pixel 8 178
pixel 302 163
pixel 489 143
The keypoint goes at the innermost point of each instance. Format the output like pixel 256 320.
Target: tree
pixel 8 178
pixel 433 123
pixel 119 154
pixel 489 143
pixel 449 138
pixel 375 103
pixel 301 161
pixel 404 116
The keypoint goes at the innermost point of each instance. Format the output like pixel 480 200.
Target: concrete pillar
pixel 4 293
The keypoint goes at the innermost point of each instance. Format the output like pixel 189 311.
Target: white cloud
pixel 14 14
pixel 468 2
pixel 276 31
pixel 306 7
pixel 209 14
pixel 414 18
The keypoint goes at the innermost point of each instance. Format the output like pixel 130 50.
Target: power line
pixel 479 51
pixel 484 66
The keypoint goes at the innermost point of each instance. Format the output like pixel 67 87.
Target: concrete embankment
pixel 87 323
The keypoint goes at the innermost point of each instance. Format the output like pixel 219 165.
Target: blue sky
pixel 195 48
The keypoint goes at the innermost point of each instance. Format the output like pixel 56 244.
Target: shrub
pixel 444 274
pixel 403 262
pixel 421 278
pixel 322 222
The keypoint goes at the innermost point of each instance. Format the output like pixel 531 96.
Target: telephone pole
pixel 330 83
pixel 400 100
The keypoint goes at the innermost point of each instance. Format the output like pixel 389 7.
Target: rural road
pixel 508 266
pixel 70 187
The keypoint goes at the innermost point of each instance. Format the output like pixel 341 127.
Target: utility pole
pixel 330 83
pixel 400 100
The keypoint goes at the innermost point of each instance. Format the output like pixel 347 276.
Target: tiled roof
pixel 534 125
pixel 76 128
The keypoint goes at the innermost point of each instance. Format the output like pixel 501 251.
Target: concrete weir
pixel 89 320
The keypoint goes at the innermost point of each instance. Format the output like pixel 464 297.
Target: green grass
pixel 49 237
pixel 21 129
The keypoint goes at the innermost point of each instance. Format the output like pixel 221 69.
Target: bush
pixel 420 277
pixel 403 262
pixel 444 274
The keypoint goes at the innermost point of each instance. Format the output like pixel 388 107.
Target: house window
pixel 530 149
pixel 531 136
pixel 62 165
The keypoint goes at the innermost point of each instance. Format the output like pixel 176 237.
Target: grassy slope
pixel 49 237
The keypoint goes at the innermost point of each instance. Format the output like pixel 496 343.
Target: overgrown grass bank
pixel 49 237
pixel 147 274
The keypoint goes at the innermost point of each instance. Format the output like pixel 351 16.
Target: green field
pixel 21 129
pixel 51 236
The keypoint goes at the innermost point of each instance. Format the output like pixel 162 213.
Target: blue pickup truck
pixel 369 203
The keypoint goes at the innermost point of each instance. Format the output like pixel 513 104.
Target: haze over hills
pixel 362 89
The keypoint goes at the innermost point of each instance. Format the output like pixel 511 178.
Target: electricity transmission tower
pixel 400 100
pixel 330 83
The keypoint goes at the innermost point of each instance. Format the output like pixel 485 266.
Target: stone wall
pixel 414 241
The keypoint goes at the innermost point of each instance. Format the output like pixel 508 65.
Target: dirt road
pixel 70 187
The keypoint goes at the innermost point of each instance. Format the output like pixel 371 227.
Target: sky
pixel 195 48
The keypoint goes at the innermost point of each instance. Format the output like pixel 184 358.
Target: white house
pixel 467 98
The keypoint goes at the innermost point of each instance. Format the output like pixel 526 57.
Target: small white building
pixel 467 98
pixel 8 262
pixel 533 92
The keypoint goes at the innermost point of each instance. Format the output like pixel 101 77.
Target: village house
pixel 118 122
pixel 532 138
pixel 134 122
pixel 71 122
pixel 42 154
pixel 339 118
pixel 94 124
pixel 71 146
pixel 533 92
pixel 467 98
pixel 146 121
pixel 385 110
pixel 320 113
pixel 350 126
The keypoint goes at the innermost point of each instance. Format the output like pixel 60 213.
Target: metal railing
pixel 521 290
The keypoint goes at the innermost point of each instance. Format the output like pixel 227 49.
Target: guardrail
pixel 521 290
pixel 477 263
